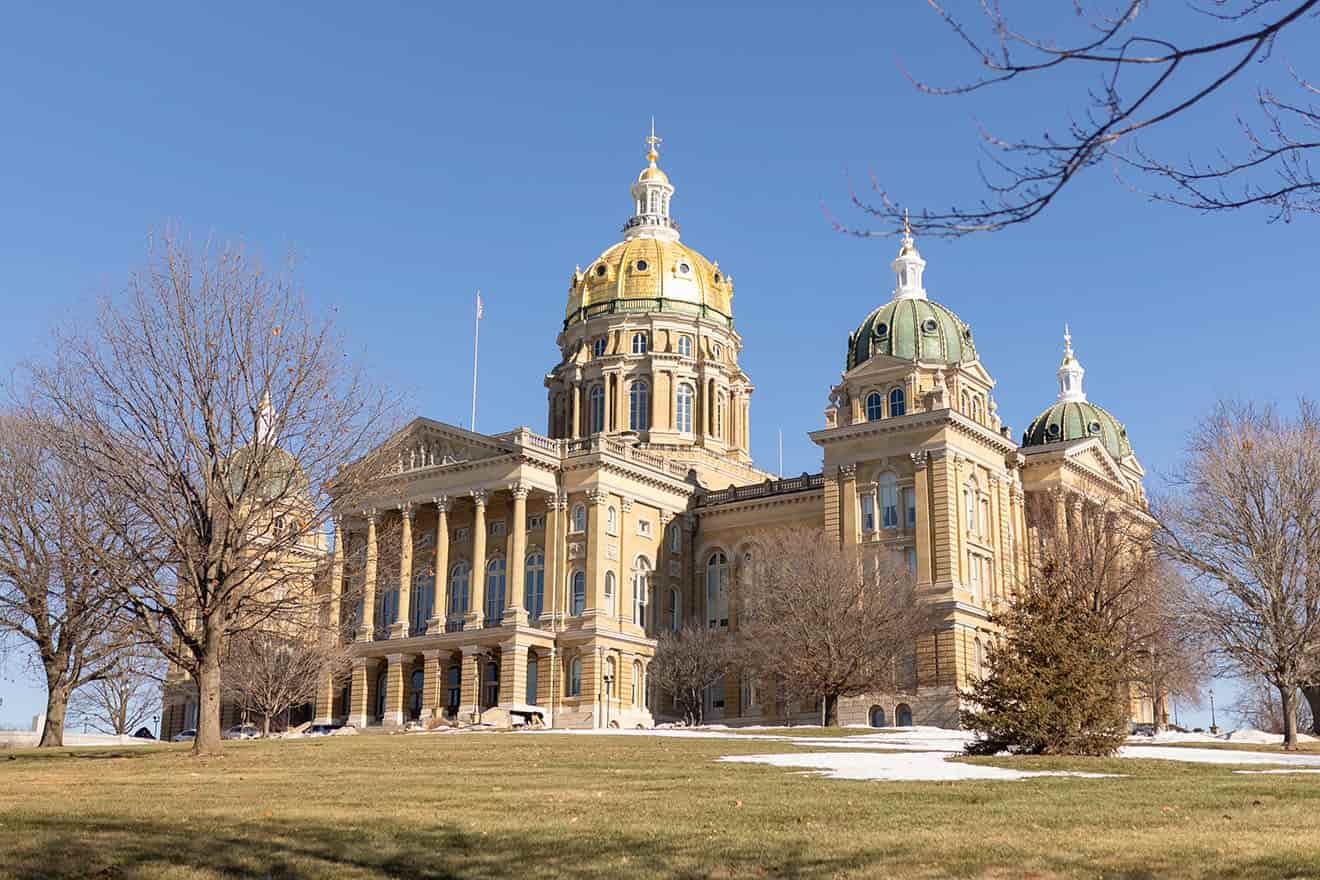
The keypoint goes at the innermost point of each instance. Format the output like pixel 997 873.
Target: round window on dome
pixel 967 334
pixel 600 271
pixel 717 277
pixel 930 325
pixel 641 265
pixel 684 268
pixel 1052 430
pixel 882 329
pixel 1094 427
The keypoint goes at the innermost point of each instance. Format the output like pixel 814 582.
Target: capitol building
pixel 537 567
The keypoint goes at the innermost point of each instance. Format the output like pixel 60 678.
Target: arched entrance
pixel 903 715
pixel 878 716
pixel 378 704
pixel 416 685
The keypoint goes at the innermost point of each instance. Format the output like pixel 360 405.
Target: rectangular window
pixel 463 535
pixel 888 505
pixel 644 528
pixel 495 528
pixel 985 516
pixel 910 505
pixel 974 574
pixel 868 514
pixel 536 522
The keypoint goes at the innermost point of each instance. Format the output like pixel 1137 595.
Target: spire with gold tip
pixel 651 193
pixel 1070 373
pixel 908 266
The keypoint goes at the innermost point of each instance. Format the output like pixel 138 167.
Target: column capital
pixel 627 505
pixel 408 510
pixel 557 501
pixel 480 497
pixel 441 502
pixel 371 515
pixel 847 471
pixel 519 489
pixel 920 458
pixel 598 497
pixel 337 520
pixel 666 517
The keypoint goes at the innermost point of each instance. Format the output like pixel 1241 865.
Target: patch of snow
pixel 906 767
pixel 1260 737
pixel 345 731
pixel 1174 736
pixel 1289 770
pixel 1219 756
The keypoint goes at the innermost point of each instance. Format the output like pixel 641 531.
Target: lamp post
pixel 1214 728
pixel 609 690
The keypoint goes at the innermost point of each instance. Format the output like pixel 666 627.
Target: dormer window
pixel 639 343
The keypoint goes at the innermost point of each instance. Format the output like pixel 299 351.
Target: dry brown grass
pixel 546 805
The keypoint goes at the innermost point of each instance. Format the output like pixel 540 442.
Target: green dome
pixel 912 329
pixel 1078 420
pixel 280 475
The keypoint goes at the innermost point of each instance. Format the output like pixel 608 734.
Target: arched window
pixel 868 512
pixel 641 583
pixel 719 414
pixel 966 403
pixel 683 409
pixel 717 589
pixel 494 590
pixel 579 519
pixel 877 716
pixel 675 610
pixel 596 409
pixel 639 343
pixel 903 715
pixel 685 346
pixel 579 591
pixel 534 585
pixel 420 602
pixel 416 683
pixel 609 593
pixel 611 521
pixel 888 501
pixel 675 538
pixel 637 690
pixel 897 402
pixel 875 406
pixel 639 406
pixel 575 677
pixel 969 505
pixel 976 408
pixel 598 347
pixel 532 666
pixel 459 582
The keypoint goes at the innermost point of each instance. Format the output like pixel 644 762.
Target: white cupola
pixel 1070 373
pixel 651 193
pixel 908 267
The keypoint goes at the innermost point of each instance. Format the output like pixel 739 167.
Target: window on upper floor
pixel 868 513
pixel 640 343
pixel 598 345
pixel 685 346
pixel 578 521
pixel 888 501
pixel 611 521
pixel 897 402
pixel 639 406
pixel 683 408
pixel 596 409
pixel 875 407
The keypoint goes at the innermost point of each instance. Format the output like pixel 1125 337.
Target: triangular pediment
pixel 1092 455
pixel 427 443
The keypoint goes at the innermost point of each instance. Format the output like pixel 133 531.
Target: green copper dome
pixel 1078 420
pixel 914 329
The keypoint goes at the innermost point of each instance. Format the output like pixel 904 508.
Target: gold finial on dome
pixel 908 246
pixel 651 143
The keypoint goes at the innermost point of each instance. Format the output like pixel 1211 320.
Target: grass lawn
pixel 547 805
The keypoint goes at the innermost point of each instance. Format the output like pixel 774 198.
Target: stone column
pixel 401 628
pixel 363 673
pixel 554 555
pixel 921 489
pixel 470 682
pixel 513 673
pixel 325 689
pixel 440 606
pixel 577 410
pixel 394 681
pixel 431 683
pixel 516 563
pixel 848 505
pixel 627 528
pixel 477 588
pixel 595 561
pixel 367 626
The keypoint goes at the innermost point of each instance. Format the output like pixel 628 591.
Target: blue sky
pixel 412 153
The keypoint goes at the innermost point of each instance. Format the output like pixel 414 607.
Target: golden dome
pixel 652 173
pixel 647 274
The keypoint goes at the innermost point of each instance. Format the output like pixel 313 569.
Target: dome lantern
pixel 1070 373
pixel 908 267
pixel 651 193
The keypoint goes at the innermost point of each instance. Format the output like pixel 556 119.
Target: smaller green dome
pixel 914 329
pixel 280 476
pixel 1078 420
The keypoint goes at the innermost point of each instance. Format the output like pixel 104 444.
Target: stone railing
pixel 767 489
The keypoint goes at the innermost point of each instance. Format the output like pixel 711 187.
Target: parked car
pixel 184 735
pixel 241 731
pixel 321 729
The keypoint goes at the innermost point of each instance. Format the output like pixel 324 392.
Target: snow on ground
pixel 25 739
pixel 1260 737
pixel 895 766
pixel 1220 756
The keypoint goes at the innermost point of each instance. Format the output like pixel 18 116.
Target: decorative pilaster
pixel 439 609
pixel 367 626
pixel 848 505
pixel 922 538
pixel 360 696
pixel 554 559
pixel 431 683
pixel 401 627
pixel 595 561
pixel 470 682
pixel 513 673
pixel 476 614
pixel 515 611
pixel 394 680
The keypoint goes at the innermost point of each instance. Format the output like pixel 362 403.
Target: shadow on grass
pixel 48 847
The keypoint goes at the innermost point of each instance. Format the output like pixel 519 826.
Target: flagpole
pixel 476 334
pixel 781 453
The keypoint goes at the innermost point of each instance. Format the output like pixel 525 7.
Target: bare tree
pixel 212 396
pixel 1171 664
pixel 271 673
pixel 56 559
pixel 1246 524
pixel 688 662
pixel 826 621
pixel 1257 706
pixel 1146 82
pixel 124 699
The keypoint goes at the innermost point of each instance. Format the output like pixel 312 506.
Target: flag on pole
pixel 479 309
